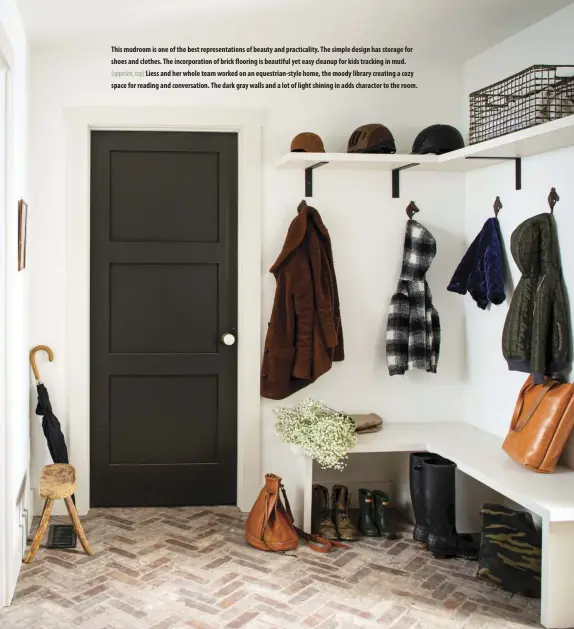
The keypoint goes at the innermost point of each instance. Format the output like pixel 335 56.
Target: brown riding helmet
pixel 371 138
pixel 307 143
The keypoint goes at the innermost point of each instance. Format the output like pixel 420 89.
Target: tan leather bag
pixel 542 422
pixel 270 526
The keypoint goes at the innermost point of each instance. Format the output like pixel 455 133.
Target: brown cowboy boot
pixel 321 518
pixel 345 527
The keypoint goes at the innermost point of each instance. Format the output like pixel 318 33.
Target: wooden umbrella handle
pixel 33 351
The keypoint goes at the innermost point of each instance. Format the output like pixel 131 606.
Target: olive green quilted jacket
pixel 536 335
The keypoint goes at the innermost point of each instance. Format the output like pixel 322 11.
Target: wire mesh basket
pixel 536 95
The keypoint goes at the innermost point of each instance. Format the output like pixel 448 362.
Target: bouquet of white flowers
pixel 321 433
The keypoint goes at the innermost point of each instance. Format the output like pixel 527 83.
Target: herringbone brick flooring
pixel 190 568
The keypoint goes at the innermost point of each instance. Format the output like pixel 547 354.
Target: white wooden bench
pixel 479 454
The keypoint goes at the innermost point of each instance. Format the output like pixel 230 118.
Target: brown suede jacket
pixel 305 334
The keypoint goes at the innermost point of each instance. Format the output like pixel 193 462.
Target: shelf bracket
pixel 517 167
pixel 309 178
pixel 396 179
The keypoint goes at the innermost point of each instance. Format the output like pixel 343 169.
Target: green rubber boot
pixel 383 515
pixel 367 524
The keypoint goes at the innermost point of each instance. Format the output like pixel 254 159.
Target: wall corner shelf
pixel 549 136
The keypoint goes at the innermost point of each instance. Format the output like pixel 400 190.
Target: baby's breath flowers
pixel 322 433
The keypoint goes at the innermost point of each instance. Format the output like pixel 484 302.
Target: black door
pixel 163 292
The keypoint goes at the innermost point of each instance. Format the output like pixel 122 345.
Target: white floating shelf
pixel 356 160
pixel 542 138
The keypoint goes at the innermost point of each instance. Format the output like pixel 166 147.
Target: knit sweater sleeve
pixel 459 282
pixel 494 268
pixel 397 339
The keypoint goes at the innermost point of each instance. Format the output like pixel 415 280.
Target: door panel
pixel 191 216
pixel 172 317
pixel 163 289
pixel 137 401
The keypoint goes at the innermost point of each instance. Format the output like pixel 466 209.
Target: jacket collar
pixel 307 216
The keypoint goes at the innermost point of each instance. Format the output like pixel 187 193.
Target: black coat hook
pixel 412 209
pixel 497 206
pixel 302 205
pixel 553 198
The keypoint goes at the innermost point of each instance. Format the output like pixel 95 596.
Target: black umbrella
pixel 60 535
pixel 50 424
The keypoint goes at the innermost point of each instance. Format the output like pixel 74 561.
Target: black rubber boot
pixel 420 532
pixel 383 515
pixel 367 515
pixel 439 491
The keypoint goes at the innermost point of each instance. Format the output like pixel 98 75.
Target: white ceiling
pixel 449 29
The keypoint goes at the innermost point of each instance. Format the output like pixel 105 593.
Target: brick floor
pixel 190 568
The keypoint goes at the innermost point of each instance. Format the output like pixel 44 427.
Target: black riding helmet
pixel 438 139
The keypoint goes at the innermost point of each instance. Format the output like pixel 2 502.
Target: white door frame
pixel 4 511
pixel 247 124
pixel 6 559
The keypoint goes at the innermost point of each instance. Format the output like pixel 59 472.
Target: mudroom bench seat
pixel 479 455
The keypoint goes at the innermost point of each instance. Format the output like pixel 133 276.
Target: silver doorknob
pixel 227 338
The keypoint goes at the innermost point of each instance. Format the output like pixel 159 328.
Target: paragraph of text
pixel 255 68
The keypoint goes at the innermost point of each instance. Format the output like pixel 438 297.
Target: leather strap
pixel 520 401
pixel 547 386
pixel 316 542
pixel 320 544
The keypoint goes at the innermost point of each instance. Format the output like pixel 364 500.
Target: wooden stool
pixel 58 482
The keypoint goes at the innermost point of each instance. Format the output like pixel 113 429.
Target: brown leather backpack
pixel 270 524
pixel 542 422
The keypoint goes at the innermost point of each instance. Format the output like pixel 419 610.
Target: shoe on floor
pixel 346 529
pixel 367 524
pixel 383 515
pixel 321 516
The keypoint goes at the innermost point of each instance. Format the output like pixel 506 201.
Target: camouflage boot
pixel 510 550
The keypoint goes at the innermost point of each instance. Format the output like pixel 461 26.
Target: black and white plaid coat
pixel 413 327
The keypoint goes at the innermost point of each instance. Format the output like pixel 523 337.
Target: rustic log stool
pixel 58 481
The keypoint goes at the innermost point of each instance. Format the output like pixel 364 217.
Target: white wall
pixel 492 389
pixel 367 226
pixel 17 447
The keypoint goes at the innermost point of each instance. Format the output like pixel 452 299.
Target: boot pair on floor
pixel 330 517
pixel 375 518
pixel 432 485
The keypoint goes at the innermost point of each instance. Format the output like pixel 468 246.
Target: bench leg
pixel 41 530
pixel 78 525
pixel 557 610
pixel 307 493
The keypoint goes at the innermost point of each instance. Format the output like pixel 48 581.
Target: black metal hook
pixel 302 205
pixel 497 206
pixel 412 209
pixel 553 198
